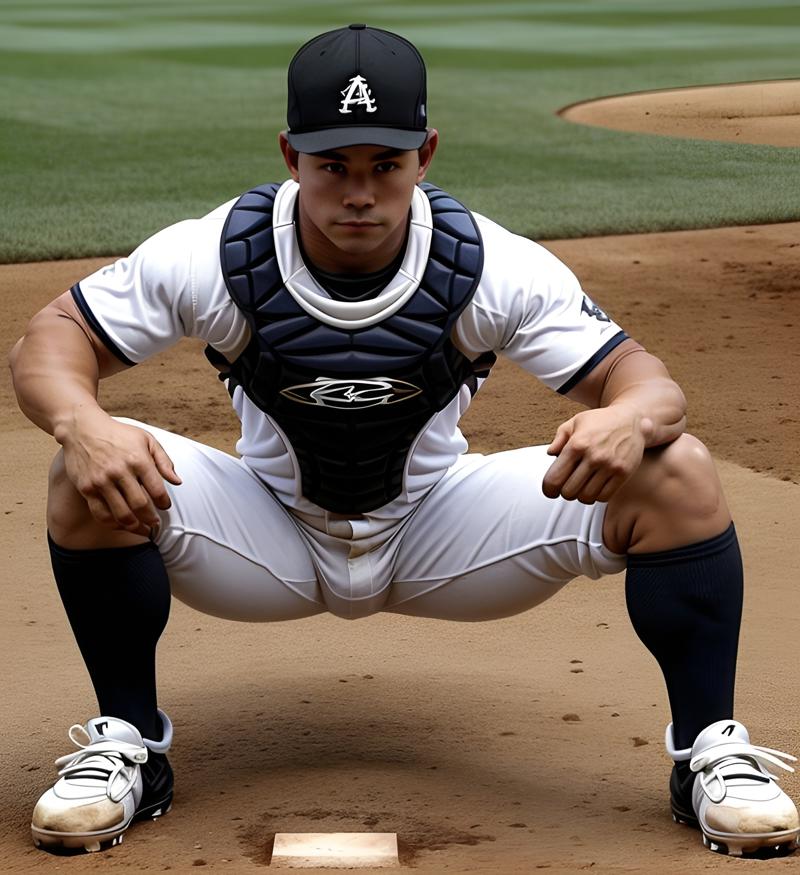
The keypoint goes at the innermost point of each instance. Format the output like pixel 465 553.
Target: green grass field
pixel 119 117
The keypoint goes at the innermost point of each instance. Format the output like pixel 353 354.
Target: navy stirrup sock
pixel 686 607
pixel 117 601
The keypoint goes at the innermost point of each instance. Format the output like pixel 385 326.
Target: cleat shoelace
pixel 102 761
pixel 737 760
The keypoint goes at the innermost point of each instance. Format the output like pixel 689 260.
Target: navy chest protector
pixel 351 401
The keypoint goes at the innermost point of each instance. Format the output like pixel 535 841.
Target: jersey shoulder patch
pixel 591 309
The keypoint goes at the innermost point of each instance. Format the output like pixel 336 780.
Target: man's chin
pixel 352 245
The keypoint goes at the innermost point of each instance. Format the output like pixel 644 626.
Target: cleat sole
pixel 91 843
pixel 753 847
pixel 757 847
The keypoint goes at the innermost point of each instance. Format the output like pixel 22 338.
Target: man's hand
pixel 598 450
pixel 119 469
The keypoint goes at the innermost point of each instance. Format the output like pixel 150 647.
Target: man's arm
pixel 56 366
pixel 634 404
pixel 119 469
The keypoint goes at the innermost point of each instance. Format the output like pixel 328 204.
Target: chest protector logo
pixel 351 393
pixel 351 402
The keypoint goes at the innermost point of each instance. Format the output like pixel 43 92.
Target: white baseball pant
pixel 484 543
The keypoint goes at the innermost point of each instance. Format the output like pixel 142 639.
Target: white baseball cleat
pixel 731 794
pixel 115 778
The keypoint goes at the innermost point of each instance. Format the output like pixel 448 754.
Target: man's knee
pixel 63 500
pixel 682 476
pixel 69 520
pixel 674 498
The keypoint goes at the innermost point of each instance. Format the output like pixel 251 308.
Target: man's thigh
pixel 487 543
pixel 229 547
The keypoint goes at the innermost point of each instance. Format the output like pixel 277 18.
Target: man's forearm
pixel 641 381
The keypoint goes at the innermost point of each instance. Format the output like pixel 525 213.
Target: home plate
pixel 335 850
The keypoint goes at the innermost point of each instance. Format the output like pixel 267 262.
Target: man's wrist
pixel 66 422
pixel 635 412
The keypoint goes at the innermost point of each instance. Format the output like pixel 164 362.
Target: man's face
pixel 354 202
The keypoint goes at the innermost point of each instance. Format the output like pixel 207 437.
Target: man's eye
pixel 386 166
pixel 333 167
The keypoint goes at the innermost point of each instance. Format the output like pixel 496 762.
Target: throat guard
pixel 350 396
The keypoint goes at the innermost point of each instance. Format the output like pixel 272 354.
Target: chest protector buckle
pixel 351 401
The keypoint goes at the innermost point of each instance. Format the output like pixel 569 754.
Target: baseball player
pixel 353 311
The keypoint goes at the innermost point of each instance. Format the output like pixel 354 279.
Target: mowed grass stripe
pixel 416 8
pixel 751 15
pixel 166 109
pixel 512 35
pixel 422 8
pixel 144 36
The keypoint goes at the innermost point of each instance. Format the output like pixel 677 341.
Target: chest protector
pixel 351 401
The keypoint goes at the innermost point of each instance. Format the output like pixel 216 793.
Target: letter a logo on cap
pixel 357 93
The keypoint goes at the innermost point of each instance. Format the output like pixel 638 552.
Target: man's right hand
pixel 119 470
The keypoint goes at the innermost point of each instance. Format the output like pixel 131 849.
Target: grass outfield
pixel 119 117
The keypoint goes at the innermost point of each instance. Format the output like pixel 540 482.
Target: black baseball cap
pixel 354 86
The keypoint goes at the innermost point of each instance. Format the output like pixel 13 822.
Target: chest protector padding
pixel 351 401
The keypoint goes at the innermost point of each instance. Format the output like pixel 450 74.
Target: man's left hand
pixel 597 450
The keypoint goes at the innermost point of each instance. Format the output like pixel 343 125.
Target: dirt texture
pixel 509 746
pixel 748 112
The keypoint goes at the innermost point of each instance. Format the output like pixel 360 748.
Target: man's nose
pixel 359 194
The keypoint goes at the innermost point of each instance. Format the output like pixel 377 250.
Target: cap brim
pixel 340 138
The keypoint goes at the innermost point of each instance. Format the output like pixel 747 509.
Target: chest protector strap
pixel 351 402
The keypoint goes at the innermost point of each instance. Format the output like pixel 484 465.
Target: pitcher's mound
pixel 766 113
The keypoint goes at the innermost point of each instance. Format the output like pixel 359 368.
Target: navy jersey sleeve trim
pixel 595 360
pixel 86 312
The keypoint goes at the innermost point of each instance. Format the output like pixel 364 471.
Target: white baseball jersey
pixel 241 541
pixel 527 306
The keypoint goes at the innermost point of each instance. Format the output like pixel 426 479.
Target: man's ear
pixel 290 156
pixel 426 151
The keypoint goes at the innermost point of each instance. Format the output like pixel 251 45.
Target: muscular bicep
pixel 64 322
pixel 609 377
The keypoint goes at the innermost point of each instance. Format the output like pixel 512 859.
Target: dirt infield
pixel 507 746
pixel 750 112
